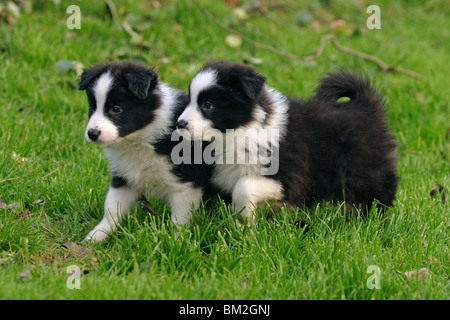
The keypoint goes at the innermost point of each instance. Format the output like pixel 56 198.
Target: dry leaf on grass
pixel 17 205
pixel 76 250
pixel 146 205
pixel 2 204
pixel 417 274
pixel 25 274
pixel 438 189
pixel 233 41
pixel 14 205
pixel 432 260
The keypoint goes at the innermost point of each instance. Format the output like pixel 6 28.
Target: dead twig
pixel 43 177
pixel 10 179
pixel 136 38
pixel 145 205
pixel 112 10
pixel 382 65
pixel 245 38
pixel 52 172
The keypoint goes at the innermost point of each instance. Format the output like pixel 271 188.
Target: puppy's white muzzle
pixel 193 121
pixel 101 130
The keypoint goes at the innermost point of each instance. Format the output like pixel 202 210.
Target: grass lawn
pixel 53 182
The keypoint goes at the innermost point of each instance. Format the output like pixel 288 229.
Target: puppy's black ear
pixel 90 74
pixel 238 77
pixel 140 83
pixel 246 80
pixel 252 84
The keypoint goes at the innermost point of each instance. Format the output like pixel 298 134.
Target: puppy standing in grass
pixel 326 149
pixel 132 115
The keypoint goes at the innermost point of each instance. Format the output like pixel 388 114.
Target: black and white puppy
pixel 319 148
pixel 132 115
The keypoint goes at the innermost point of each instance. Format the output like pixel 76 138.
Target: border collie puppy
pixel 325 148
pixel 132 115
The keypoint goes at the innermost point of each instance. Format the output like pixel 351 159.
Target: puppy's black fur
pixel 337 149
pixel 330 150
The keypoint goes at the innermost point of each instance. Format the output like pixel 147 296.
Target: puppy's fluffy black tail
pixel 347 84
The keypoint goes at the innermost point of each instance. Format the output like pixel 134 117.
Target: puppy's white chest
pixel 143 168
pixel 225 176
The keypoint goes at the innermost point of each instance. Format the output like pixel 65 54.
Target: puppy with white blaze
pixel 326 148
pixel 132 115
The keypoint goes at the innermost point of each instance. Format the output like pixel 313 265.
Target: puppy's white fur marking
pixel 98 121
pixel 201 81
pixel 250 191
pixel 101 89
pixel 197 124
pixel 278 119
pixel 244 181
pixel 226 176
pixel 178 202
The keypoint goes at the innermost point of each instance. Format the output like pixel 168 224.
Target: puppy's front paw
pixel 96 235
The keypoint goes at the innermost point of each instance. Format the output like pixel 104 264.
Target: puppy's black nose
pixel 181 124
pixel 93 134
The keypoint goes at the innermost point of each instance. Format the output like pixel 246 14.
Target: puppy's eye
pixel 207 105
pixel 116 110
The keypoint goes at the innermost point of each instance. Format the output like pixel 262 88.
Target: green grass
pixel 44 156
